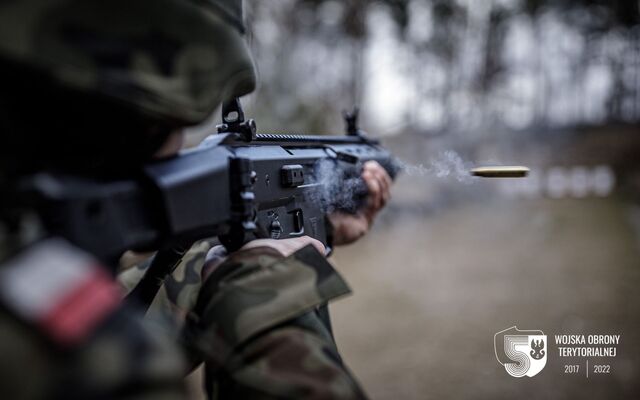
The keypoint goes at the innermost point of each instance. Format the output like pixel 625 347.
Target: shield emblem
pixel 521 352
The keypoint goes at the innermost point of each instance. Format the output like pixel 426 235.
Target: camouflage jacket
pixel 256 323
pixel 64 334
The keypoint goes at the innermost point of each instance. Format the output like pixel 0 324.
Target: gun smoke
pixel 448 164
pixel 344 190
pixel 340 189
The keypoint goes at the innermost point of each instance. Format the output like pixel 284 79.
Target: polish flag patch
pixel 60 289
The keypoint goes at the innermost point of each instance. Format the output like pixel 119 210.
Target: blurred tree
pixel 509 63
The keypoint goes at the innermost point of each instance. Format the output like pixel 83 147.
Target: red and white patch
pixel 59 288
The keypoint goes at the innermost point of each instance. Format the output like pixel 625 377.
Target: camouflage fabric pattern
pixel 285 353
pixel 256 326
pixel 290 363
pixel 121 356
pixel 174 60
pixel 255 290
pixel 180 291
pixel 255 323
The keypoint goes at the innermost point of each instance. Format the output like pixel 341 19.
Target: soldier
pixel 97 88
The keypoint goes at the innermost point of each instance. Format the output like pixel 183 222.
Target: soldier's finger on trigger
pixel 289 246
pixel 314 242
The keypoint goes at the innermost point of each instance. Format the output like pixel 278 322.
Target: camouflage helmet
pixel 172 60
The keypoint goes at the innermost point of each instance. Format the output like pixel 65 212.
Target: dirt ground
pixel 431 291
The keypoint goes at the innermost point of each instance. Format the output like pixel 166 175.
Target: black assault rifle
pixel 237 185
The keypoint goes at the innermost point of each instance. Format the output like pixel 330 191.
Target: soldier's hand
pixel 218 254
pixel 347 228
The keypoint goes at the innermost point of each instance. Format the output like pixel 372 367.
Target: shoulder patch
pixel 58 288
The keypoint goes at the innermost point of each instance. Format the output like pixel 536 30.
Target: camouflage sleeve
pixel 180 290
pixel 288 361
pixel 257 326
pixel 64 333
pixel 121 359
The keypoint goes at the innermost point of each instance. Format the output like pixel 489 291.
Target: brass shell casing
pixel 501 172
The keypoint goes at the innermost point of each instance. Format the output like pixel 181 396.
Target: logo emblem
pixel 521 352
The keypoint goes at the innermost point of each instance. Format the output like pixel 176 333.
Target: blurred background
pixel 450 84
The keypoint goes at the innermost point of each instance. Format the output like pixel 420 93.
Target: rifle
pixel 238 185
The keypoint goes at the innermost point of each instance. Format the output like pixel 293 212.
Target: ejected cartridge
pixel 501 172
